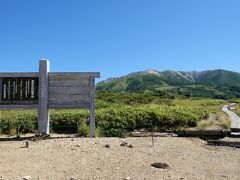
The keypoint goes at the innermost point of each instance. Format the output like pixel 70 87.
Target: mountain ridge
pixel 194 75
pixel 152 80
pixel 154 71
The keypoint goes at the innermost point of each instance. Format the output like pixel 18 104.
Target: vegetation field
pixel 117 114
pixel 237 111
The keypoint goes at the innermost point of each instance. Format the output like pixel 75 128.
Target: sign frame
pixel 43 104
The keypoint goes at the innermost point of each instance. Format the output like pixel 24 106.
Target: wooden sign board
pixel 45 90
pixel 68 90
pixel 19 90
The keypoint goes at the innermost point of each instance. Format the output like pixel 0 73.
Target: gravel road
pixel 235 119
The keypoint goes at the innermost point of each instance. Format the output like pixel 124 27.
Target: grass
pixel 236 100
pixel 217 118
pixel 226 124
pixel 237 111
pixel 83 130
pixel 205 124
pixel 211 105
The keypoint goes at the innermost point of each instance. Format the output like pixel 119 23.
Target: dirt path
pixel 235 119
pixel 85 158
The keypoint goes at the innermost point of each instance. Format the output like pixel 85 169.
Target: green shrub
pixel 104 100
pixel 18 122
pixel 83 130
pixel 68 120
pixel 114 120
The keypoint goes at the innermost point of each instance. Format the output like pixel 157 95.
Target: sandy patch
pixel 85 158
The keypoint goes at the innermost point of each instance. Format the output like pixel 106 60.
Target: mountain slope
pixel 153 80
pixel 133 83
pixel 219 77
pixel 177 78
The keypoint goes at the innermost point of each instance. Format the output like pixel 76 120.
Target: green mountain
pixel 219 77
pixel 212 83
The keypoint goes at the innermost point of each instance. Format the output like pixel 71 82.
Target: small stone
pixel 127 178
pixel 26 177
pixel 160 165
pixel 124 144
pixel 130 146
pixel 107 146
pixel 72 178
pixel 78 146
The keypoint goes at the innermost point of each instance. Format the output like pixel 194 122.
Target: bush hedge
pixel 115 121
pixel 112 121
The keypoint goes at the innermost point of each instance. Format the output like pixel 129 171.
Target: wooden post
pixel 43 111
pixel 1 94
pixel 92 106
pixel 1 90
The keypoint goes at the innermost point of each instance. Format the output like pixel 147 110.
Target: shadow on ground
pixel 34 138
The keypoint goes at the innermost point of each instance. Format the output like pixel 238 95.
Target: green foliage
pixel 26 121
pixel 237 111
pixel 204 91
pixel 68 120
pixel 226 124
pixel 83 130
pixel 117 114
pixel 19 121
pixel 198 102
pixel 113 121
pixel 234 100
pixel 105 100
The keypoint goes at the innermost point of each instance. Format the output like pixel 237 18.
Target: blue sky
pixel 117 37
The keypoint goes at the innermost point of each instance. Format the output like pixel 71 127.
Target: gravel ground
pixel 85 158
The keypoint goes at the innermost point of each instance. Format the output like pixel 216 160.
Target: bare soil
pixel 86 158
